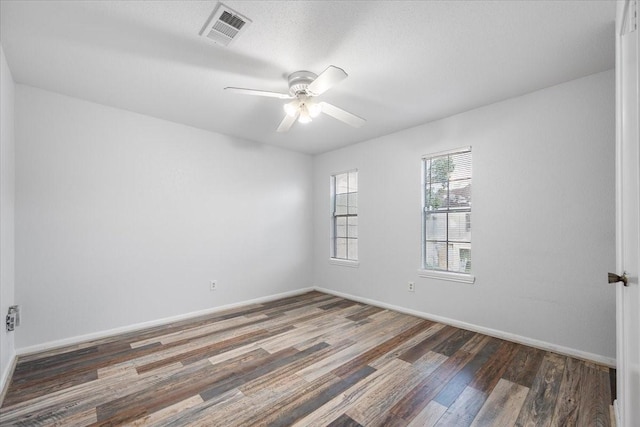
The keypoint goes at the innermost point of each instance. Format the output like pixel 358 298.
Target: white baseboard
pixel 51 345
pixel 607 361
pixel 6 375
pixel 616 412
pixel 602 360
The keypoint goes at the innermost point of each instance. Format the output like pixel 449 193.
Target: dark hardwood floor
pixel 309 360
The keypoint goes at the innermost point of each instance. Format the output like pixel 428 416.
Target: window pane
pixel 344 218
pixel 341 226
pixel 465 259
pixel 438 169
pixel 436 255
pixel 436 196
pixel 341 248
pixel 353 181
pixel 460 166
pixel 460 257
pixel 342 183
pixel 460 226
pixel 447 212
pixel 341 203
pixel 435 226
pixel 353 203
pixel 427 170
pixel 352 249
pixel 460 194
pixel 352 227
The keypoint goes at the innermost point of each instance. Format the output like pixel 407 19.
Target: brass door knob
pixel 614 278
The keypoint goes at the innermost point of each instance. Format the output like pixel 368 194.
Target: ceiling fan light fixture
pixel 314 109
pixel 304 117
pixel 291 108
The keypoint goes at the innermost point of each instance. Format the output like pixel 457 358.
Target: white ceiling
pixel 408 62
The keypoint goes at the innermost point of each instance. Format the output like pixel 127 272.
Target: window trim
pixel 344 262
pixel 332 222
pixel 446 152
pixel 423 271
pixel 447 275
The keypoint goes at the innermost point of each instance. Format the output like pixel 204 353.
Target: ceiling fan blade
pixel 327 79
pixel 255 92
pixel 340 114
pixel 287 122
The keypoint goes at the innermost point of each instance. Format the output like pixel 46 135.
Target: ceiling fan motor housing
pixel 300 81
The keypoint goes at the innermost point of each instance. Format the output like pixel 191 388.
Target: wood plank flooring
pixel 308 360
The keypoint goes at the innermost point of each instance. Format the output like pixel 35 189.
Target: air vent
pixel 224 25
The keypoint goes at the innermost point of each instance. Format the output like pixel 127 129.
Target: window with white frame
pixel 446 218
pixel 344 191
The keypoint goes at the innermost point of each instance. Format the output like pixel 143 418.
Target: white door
pixel 627 215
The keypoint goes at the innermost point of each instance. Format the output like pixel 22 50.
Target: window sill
pixel 344 262
pixel 447 275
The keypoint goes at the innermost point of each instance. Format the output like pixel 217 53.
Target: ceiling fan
pixel 303 87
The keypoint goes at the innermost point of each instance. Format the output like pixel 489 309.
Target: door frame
pixel 624 7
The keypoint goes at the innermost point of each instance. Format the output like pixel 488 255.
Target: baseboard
pixel 616 412
pixel 579 354
pixel 52 345
pixel 6 376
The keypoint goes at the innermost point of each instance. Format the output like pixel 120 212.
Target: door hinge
pixel 630 17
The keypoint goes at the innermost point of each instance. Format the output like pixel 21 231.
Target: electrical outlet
pixel 13 318
pixel 411 287
pixel 16 309
pixel 213 285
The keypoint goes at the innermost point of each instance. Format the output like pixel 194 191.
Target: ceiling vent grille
pixel 224 25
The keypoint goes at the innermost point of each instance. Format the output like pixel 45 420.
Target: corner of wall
pixel 6 375
pixel 7 202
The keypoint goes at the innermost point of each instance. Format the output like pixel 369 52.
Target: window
pixel 344 190
pixel 447 212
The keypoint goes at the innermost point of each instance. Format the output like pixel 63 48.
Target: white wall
pixel 7 202
pixel 542 223
pixel 122 218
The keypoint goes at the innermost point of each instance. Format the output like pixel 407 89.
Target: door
pixel 627 215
